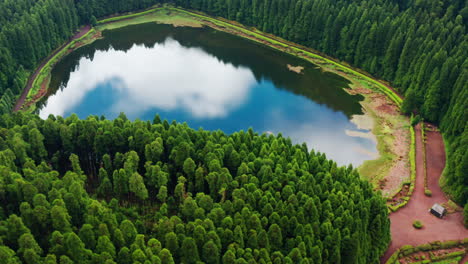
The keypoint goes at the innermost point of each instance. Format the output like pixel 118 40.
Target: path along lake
pixel 213 80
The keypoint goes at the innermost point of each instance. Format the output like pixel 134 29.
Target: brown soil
pixel 24 94
pixel 384 105
pixel 450 227
pixel 400 170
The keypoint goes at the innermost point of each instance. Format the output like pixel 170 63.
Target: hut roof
pixel 438 208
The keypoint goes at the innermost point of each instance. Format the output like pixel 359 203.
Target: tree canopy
pixel 281 204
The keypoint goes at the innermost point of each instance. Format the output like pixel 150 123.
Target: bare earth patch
pixel 393 133
pixel 399 147
pixel 386 111
pixel 296 69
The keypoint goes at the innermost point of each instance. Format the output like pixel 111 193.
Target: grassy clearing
pixel 158 15
pixel 117 18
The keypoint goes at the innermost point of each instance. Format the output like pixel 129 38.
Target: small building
pixel 438 210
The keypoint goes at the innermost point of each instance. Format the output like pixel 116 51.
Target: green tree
pixel 104 244
pixel 211 253
pixel 87 236
pixel 189 251
pixel 137 186
pixel 129 231
pixel 166 256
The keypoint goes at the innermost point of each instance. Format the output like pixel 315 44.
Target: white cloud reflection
pixel 325 133
pixel 167 76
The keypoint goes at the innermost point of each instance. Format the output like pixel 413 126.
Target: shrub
pixel 465 241
pixel 418 224
pixel 450 255
pixel 450 244
pixel 428 192
pixel 406 250
pixel 415 120
pixel 425 247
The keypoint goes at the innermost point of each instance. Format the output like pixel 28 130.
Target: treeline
pixel 100 191
pixel 420 46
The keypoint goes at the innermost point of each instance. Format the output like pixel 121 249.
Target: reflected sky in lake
pixel 168 77
pixel 189 84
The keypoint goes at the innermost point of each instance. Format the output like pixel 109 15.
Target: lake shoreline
pixel 361 83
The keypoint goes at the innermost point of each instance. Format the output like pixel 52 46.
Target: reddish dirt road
pixel 450 227
pixel 33 76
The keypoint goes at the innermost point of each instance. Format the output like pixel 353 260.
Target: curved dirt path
pixel 32 77
pixel 450 227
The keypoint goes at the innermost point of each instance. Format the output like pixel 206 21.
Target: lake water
pixel 213 80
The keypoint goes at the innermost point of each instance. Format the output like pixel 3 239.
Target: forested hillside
pixel 420 46
pixel 100 191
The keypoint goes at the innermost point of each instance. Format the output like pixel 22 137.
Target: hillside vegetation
pixel 100 191
pixel 420 46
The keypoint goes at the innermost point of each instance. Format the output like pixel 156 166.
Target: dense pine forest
pixel 100 191
pixel 420 46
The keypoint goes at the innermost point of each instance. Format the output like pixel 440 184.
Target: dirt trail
pixel 450 227
pixel 32 77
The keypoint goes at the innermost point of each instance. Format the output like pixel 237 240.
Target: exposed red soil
pixel 33 76
pixel 450 227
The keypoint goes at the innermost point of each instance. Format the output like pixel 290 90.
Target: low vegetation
pixel 435 252
pixel 418 224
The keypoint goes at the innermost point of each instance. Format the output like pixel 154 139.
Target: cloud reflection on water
pixel 167 76
pixel 325 132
